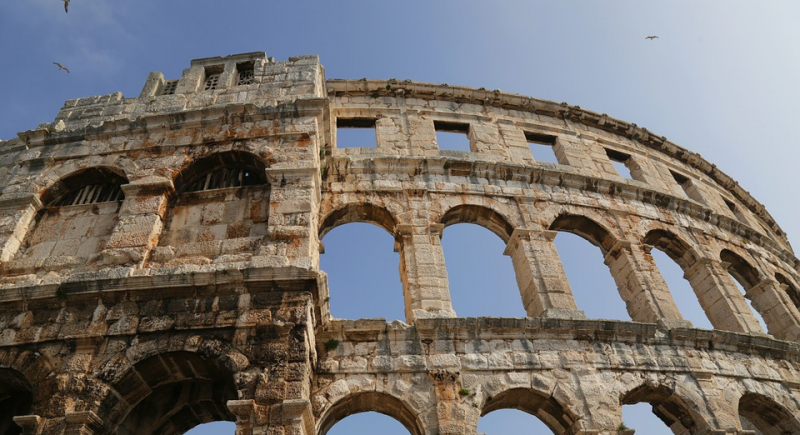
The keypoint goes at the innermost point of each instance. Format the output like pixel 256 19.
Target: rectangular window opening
pixel 245 73
pixel 736 211
pixel 688 186
pixel 621 162
pixel 356 133
pixel 213 74
pixel 541 146
pixel 169 87
pixel 452 136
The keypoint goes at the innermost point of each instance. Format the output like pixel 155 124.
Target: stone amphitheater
pixel 160 264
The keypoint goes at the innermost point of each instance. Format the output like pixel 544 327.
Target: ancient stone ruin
pixel 160 264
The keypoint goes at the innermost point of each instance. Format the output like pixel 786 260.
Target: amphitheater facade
pixel 160 264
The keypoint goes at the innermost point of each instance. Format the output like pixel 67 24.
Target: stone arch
pixel 364 212
pixel 218 350
pixel 767 415
pixel 791 288
pixel 231 191
pixel 169 393
pixel 479 215
pixel 746 274
pixel 79 214
pixel 61 189
pixel 674 410
pixel 673 245
pixel 559 418
pixel 374 401
pixel 212 167
pixel 587 228
pixel 16 398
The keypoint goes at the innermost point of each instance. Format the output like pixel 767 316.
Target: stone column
pixel 294 199
pixel 423 272
pixel 455 412
pixel 641 286
pixel 726 309
pixel 779 313
pixel 17 212
pixel 141 220
pixel 540 275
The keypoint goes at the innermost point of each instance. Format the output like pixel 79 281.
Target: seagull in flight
pixel 60 67
pixel 652 37
pixel 66 5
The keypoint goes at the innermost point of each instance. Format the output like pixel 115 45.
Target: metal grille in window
pixel 169 87
pixel 93 194
pixel 222 178
pixel 212 81
pixel 246 77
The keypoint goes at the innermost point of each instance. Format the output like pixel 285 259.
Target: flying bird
pixel 648 37
pixel 66 5
pixel 60 67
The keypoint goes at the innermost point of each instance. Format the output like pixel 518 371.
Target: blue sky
pixel 721 80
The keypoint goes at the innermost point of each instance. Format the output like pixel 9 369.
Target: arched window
pixel 222 209
pixel 372 403
pixel 215 428
pixel 363 276
pixel 765 416
pixel 546 409
pixel 368 423
pixel 673 257
pixel 481 279
pixel 745 277
pixel 79 215
pixel 171 393
pixel 582 245
pixel 511 421
pixel 361 264
pixel 791 289
pixel 658 411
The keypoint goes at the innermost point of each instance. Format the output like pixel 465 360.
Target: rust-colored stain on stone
pixel 193 293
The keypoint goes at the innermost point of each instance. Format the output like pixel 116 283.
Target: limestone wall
pixel 168 246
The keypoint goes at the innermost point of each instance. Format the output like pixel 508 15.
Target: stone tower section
pixel 159 264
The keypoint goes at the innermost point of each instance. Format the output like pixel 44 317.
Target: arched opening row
pixel 183 392
pixel 575 266
pixel 220 197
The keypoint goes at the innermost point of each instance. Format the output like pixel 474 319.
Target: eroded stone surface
pixel 160 264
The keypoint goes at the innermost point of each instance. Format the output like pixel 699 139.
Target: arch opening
pixel 673 257
pixel 352 213
pixel 593 286
pixel 80 213
pixel 360 262
pixel 481 216
pixel 172 393
pixel 481 279
pixel 745 277
pixel 766 416
pixel 368 423
pixel 214 428
pixel 16 398
pixel 670 413
pixel 790 288
pixel 505 421
pixel 371 401
pixel 220 198
pixel 545 408
pixel 87 186
pixel 220 171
